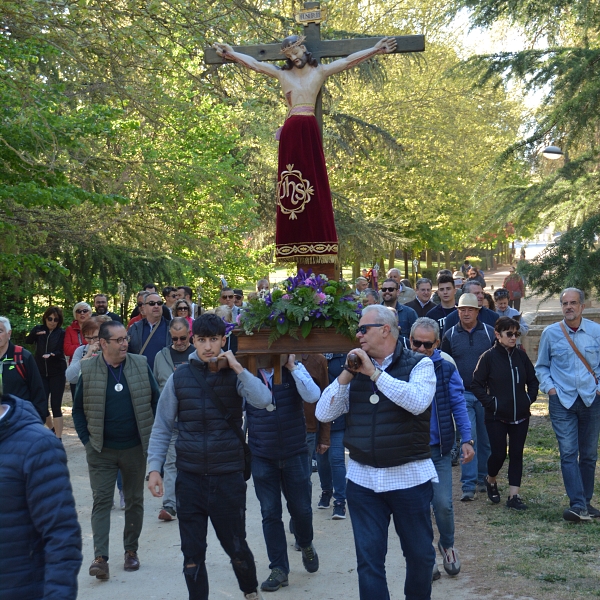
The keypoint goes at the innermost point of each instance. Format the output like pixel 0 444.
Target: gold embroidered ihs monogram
pixel 293 188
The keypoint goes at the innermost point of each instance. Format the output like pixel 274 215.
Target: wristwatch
pixel 376 374
pixel 471 442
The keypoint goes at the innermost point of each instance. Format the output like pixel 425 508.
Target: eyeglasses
pixel 155 303
pixel 91 338
pixel 82 311
pixel 120 340
pixel 511 334
pixel 419 343
pixel 229 297
pixel 389 289
pixel 182 308
pixel 53 319
pixel 238 297
pixel 180 339
pixel 363 328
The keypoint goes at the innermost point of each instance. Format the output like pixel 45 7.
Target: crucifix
pixel 305 225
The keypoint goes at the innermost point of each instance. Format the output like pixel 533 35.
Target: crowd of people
pixel 437 380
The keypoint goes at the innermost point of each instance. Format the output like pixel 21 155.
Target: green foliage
pixel 572 261
pixel 302 303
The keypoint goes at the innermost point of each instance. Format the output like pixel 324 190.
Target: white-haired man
pixel 386 400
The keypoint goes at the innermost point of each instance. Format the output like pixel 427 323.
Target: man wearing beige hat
pixel 465 342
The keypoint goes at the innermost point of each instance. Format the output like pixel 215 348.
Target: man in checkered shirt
pixel 390 472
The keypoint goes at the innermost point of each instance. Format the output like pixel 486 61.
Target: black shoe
pixel 325 499
pixel 277 579
pixel 516 503
pixel 575 514
pixel 593 511
pixel 310 559
pixel 492 491
pixel 436 573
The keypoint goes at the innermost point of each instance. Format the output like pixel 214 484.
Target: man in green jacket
pixel 113 412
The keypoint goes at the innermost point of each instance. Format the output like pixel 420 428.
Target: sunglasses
pixel 53 319
pixel 82 311
pixel 180 339
pixel 182 308
pixel 230 297
pixel 363 328
pixel 155 303
pixel 389 289
pixel 419 343
pixel 512 334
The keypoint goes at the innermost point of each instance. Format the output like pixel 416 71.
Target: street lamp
pixel 552 152
pixel 122 288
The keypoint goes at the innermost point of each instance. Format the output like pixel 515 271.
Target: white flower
pixel 305 309
pixel 306 318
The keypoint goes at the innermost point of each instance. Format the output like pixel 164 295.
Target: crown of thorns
pixel 297 43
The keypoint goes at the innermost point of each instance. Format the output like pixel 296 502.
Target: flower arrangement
pixel 301 303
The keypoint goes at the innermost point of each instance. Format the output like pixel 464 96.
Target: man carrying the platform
pixel 305 225
pixel 390 472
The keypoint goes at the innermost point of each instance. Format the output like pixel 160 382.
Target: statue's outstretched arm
pixel 383 46
pixel 228 53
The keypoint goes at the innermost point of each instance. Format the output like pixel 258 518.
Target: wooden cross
pixel 318 47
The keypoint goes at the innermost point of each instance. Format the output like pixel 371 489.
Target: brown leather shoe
pixel 99 568
pixel 132 562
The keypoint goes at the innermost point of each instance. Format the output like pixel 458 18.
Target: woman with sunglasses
pixel 82 311
pixel 49 340
pixel 183 309
pixel 504 382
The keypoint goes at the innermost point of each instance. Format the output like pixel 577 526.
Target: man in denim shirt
pixel 573 400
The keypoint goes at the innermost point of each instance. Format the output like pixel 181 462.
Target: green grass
pixel 537 544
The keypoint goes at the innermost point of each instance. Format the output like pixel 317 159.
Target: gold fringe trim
pixel 309 260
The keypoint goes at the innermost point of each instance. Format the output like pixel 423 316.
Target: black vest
pixel 384 434
pixel 281 433
pixel 206 444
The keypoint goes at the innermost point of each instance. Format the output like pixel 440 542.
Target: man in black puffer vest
pixel 210 456
pixel 390 471
pixel 277 438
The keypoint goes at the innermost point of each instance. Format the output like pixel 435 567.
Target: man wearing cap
pixel 485 314
pixel 465 342
pixel 405 294
pixel 238 303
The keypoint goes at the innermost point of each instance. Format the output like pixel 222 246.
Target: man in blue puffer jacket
pixel 448 407
pixel 40 537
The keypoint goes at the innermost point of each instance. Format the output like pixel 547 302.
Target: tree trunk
pixel 355 269
pixel 405 253
pixel 392 258
pixel 428 258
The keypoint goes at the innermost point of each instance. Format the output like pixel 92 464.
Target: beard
pixel 101 310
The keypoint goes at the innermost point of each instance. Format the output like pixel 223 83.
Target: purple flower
pixel 285 297
pixel 281 319
pixel 268 300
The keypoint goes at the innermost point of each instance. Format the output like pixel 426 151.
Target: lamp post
pixel 552 152
pixel 122 288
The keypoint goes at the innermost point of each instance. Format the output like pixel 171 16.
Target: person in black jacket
pixel 504 382
pixel 40 538
pixel 18 372
pixel 50 359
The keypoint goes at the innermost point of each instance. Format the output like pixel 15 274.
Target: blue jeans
pixel 476 470
pixel 576 431
pixel 332 467
pixel 222 498
pixel 311 442
pixel 442 497
pixel 370 512
pixel 292 477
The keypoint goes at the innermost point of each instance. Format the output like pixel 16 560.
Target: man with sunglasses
pixel 136 313
pixel 171 295
pixel 150 335
pixel 113 412
pixel 227 298
pixel 386 400
pixel 465 343
pixel 165 364
pixel 405 293
pixel 406 315
pixel 448 407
